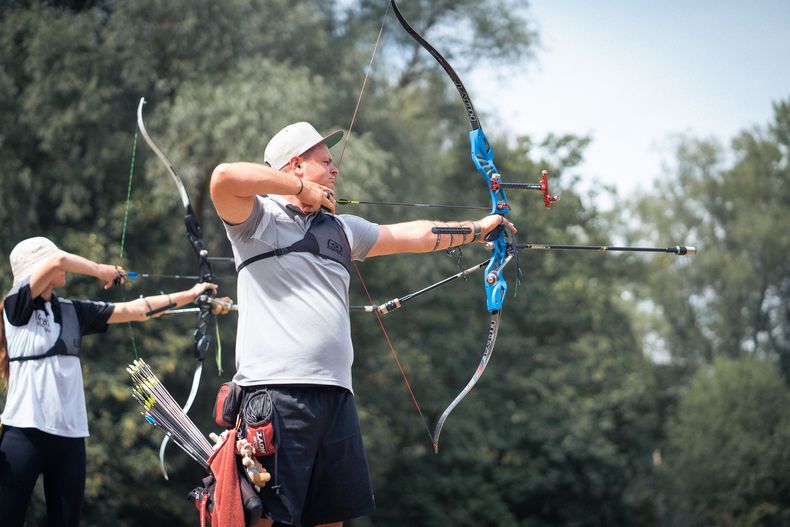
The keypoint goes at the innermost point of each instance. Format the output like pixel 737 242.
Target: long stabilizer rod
pixel 679 250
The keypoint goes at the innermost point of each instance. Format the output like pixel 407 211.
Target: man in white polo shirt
pixel 294 260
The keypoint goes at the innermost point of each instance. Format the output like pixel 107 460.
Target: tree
pixel 727 451
pixel 733 300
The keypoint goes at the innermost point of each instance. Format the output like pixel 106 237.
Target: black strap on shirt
pixel 325 237
pixel 69 341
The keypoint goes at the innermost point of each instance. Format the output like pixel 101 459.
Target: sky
pixel 634 74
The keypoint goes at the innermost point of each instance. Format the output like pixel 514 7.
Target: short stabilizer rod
pixel 543 187
pixel 395 303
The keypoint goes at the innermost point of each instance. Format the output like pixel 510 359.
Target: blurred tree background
pixel 624 390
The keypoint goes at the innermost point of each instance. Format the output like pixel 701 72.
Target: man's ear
pixel 295 164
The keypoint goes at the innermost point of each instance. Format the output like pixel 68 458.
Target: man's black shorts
pixel 320 464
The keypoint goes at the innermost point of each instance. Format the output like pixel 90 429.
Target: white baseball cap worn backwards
pixel 294 140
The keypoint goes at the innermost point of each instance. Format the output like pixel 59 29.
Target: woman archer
pixel 44 423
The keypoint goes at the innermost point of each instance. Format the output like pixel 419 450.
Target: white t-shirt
pixel 294 325
pixel 46 393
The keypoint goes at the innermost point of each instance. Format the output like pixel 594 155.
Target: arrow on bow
pixel 397 302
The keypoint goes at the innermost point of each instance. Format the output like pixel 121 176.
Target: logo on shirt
pixel 42 321
pixel 332 245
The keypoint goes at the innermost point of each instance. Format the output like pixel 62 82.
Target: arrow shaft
pixel 343 201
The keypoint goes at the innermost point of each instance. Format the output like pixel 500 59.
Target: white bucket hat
pixel 28 255
pixel 294 140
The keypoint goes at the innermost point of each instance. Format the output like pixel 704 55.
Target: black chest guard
pixel 69 341
pixel 325 238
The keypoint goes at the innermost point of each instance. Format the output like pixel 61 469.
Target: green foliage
pixel 561 427
pixel 732 299
pixel 727 452
pixel 724 327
